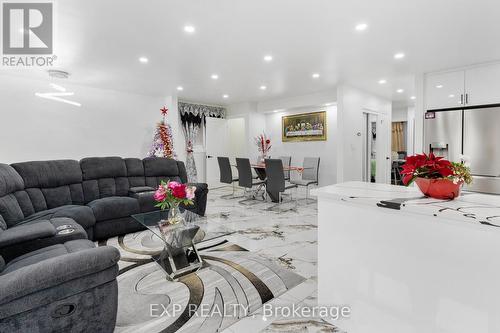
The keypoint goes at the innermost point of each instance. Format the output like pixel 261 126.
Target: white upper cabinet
pixel 444 90
pixel 482 85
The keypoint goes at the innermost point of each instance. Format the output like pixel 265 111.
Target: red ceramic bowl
pixel 439 188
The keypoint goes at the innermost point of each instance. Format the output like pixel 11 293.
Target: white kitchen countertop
pixel 470 207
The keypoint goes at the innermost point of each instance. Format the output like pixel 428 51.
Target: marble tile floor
pixel 288 238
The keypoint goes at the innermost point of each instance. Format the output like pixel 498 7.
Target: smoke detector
pixel 58 74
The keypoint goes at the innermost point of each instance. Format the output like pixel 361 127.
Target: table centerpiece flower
pixel 435 176
pixel 170 195
pixel 263 144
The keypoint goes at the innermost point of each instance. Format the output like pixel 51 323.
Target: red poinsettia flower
pixel 427 166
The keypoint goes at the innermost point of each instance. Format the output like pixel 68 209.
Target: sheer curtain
pixel 191 117
pixel 190 126
pixel 398 140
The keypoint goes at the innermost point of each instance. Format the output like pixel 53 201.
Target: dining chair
pixel 275 181
pixel 310 174
pixel 287 161
pixel 226 175
pixel 246 178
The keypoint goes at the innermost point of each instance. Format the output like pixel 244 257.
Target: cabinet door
pixel 482 85
pixel 444 90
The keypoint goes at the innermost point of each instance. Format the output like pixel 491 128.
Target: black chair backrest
pixel 275 176
pixel 244 172
pixel 287 161
pixel 226 174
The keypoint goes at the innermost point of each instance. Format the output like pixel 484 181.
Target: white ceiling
pixel 99 43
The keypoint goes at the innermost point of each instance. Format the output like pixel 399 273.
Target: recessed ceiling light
pixel 361 26
pixel 180 88
pixel 451 96
pixel 268 58
pixel 413 97
pixel 382 81
pixel 143 60
pixel 439 86
pixel 399 55
pixel 400 91
pixel 189 29
pixel 263 87
pixel 215 76
pixel 315 75
pixel 225 96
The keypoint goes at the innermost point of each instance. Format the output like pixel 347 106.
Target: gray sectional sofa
pixel 94 197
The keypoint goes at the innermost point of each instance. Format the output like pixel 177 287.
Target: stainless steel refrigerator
pixel 474 133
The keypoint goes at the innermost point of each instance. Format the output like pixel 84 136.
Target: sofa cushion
pixel 83 215
pixel 160 167
pixel 47 253
pixel 10 210
pixel 104 177
pixel 10 180
pixel 48 174
pixel 114 207
pixel 135 172
pixel 10 183
pixel 49 184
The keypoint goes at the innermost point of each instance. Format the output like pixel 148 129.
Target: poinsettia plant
pixel 434 167
pixel 173 193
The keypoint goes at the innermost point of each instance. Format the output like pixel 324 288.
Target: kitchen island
pixel 406 263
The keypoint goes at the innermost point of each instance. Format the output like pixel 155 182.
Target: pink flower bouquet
pixel 173 194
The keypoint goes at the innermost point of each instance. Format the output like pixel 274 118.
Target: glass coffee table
pixel 180 255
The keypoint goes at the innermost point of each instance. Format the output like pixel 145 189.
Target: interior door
pixel 216 134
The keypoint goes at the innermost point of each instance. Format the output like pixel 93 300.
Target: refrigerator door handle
pixel 467 98
pixel 462 99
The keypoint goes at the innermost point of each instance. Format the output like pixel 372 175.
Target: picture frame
pixel 302 127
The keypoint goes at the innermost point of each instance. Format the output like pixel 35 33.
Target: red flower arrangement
pixel 173 193
pixel 436 176
pixel 263 144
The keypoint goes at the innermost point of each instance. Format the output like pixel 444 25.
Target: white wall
pixel 326 150
pixel 255 124
pixel 108 122
pixel 399 113
pixel 352 103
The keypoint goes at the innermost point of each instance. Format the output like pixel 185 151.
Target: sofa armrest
pixel 140 189
pixel 24 233
pixel 200 187
pixel 56 271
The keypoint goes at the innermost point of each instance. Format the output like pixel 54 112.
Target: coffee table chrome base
pixel 179 262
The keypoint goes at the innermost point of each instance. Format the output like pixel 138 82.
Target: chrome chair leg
pixel 233 194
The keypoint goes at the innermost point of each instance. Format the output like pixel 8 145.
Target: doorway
pixel 370 147
pixel 216 144
pixel 376 148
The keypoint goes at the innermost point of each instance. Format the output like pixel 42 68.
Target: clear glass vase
pixel 175 215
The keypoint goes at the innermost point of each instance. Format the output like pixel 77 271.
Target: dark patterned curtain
pixel 191 117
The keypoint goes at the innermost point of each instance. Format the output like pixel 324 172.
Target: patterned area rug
pixel 232 284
